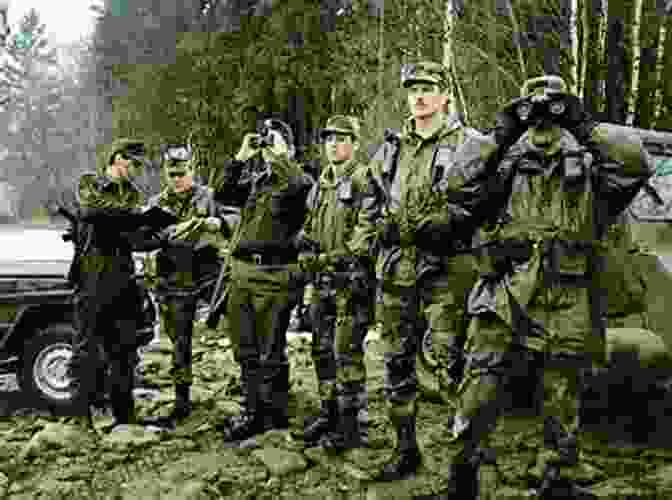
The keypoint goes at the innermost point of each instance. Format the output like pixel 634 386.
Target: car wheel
pixel 43 367
pixel 426 369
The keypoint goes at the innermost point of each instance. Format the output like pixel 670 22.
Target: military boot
pixel 274 398
pixel 409 452
pixel 181 409
pixel 347 434
pixel 249 421
pixel 325 421
pixel 555 487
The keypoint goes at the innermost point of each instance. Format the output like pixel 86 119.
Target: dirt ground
pixel 42 458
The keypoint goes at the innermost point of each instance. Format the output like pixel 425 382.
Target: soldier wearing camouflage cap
pixel 562 181
pixel 107 299
pixel 187 265
pixel 339 304
pixel 425 200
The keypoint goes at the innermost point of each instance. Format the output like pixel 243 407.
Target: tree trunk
pixel 448 55
pixel 648 77
pixel 631 100
pixel 594 26
pixel 615 85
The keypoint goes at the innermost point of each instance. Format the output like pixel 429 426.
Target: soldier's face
pixel 339 147
pixel 546 137
pixel 180 177
pixel 121 166
pixel 425 99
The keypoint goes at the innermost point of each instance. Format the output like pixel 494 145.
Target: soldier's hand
pixel 213 224
pixel 248 149
pixel 576 119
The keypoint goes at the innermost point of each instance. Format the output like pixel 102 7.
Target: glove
pixel 577 120
pixel 213 224
pixel 391 235
pixel 434 236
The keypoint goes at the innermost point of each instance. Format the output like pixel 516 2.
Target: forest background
pixel 207 70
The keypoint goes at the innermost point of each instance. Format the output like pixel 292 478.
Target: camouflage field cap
pixel 425 71
pixel 132 148
pixel 341 124
pixel 543 86
pixel 176 159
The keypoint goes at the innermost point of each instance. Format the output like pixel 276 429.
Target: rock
pixel 126 436
pixel 57 436
pixel 191 490
pixel 280 462
pixel 396 490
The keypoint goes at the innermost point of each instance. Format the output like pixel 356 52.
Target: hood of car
pixel 34 251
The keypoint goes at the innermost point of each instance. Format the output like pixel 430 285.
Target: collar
pixel 447 124
pixel 330 178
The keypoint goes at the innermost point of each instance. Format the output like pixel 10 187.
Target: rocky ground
pixel 42 458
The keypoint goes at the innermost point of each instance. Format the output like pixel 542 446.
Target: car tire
pixel 425 367
pixel 42 374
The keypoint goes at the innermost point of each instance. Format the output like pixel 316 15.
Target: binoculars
pixel 545 107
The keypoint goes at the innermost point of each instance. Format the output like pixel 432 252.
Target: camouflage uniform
pixel 434 198
pixel 339 307
pixel 263 285
pixel 107 298
pixel 186 268
pixel 540 276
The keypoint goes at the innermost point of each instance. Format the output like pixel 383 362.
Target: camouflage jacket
pixel 442 178
pixel 104 247
pixel 188 265
pixel 332 204
pixel 555 212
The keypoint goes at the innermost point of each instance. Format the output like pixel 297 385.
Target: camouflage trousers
pixel 495 353
pixel 439 302
pixel 177 320
pixel 340 321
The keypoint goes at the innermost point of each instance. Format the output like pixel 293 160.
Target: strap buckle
pixel 257 258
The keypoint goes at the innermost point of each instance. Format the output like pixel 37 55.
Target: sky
pixel 66 20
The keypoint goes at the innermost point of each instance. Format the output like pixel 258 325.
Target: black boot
pixel 555 487
pixel 325 421
pixel 249 422
pixel 181 410
pixel 274 399
pixel 409 453
pixel 347 435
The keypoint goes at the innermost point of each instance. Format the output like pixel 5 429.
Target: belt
pixel 262 259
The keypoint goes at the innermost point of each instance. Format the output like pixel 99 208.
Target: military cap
pixel 134 149
pixel 425 71
pixel 178 152
pixel 543 86
pixel 341 124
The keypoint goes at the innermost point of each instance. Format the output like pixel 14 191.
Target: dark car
pixel 36 313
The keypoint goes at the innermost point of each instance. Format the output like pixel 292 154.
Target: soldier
pixel 263 281
pixel 560 184
pixel 339 307
pixel 187 265
pixel 424 202
pixel 106 294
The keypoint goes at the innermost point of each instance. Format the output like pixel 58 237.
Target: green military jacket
pixel 556 201
pixel 332 204
pixel 104 248
pixel 170 268
pixel 273 209
pixel 436 179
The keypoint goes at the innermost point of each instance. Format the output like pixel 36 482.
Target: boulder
pixel 280 462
